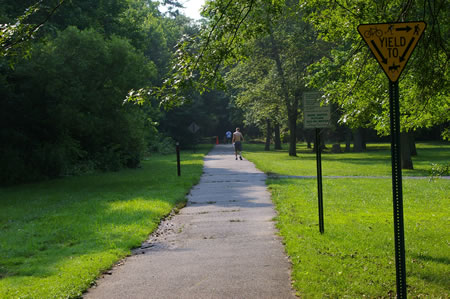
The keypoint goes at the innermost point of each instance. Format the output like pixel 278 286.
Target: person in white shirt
pixel 228 135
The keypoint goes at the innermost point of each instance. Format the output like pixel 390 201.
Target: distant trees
pixel 351 78
pixel 62 87
pixel 315 45
pixel 254 90
pixel 62 108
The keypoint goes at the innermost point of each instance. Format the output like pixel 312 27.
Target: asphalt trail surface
pixel 223 244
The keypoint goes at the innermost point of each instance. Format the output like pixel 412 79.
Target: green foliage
pixel 198 58
pixel 166 146
pixel 16 37
pixel 350 77
pixel 62 112
pixel 438 170
pixel 209 111
pixel 346 72
pixel 58 236
pixel 71 96
pixel 256 92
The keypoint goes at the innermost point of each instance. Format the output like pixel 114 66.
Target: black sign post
pixel 397 190
pixel 178 158
pixel 319 179
pixel 193 127
pixel 316 116
pixel 392 44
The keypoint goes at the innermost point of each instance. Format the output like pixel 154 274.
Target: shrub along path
pixel 223 244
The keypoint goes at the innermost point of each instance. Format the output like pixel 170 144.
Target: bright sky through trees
pixel 193 7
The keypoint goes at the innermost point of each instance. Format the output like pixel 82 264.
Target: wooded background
pixel 98 85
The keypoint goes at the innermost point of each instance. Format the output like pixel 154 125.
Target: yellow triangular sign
pixel 392 44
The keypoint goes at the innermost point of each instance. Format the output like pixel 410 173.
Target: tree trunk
pixel 357 141
pixel 336 148
pixel 348 140
pixel 291 107
pixel 276 128
pixel 363 139
pixel 412 144
pixel 405 151
pixel 268 134
pixel 292 134
pixel 309 136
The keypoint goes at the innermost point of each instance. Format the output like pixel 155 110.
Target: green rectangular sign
pixel 314 115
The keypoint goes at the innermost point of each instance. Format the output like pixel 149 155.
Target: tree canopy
pixel 83 84
pixel 63 87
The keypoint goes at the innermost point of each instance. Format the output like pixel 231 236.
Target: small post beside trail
pixel 178 158
pixel 193 128
pixel 319 180
pixel 317 116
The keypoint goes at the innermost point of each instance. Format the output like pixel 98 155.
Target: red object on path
pixel 217 139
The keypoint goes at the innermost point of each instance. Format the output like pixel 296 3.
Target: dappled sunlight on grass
pixel 57 236
pixel 376 161
pixel 355 256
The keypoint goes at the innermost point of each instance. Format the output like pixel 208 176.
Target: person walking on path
pixel 237 141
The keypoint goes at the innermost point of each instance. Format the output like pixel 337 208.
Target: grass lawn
pixel 376 161
pixel 355 256
pixel 57 236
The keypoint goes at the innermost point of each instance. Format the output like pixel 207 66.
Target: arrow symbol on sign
pixel 402 58
pixel 407 28
pixel 384 60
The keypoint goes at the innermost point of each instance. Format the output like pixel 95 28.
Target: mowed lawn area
pixel 57 236
pixel 354 258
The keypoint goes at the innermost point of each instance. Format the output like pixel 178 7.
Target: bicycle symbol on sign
pixel 373 31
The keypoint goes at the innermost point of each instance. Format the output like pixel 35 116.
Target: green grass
pixel 376 161
pixel 355 256
pixel 56 237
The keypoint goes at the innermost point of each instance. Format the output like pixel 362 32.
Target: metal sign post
pixel 193 128
pixel 397 192
pixel 178 158
pixel 392 44
pixel 319 180
pixel 315 117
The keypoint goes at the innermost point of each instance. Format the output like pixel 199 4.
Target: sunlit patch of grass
pixel 354 258
pixel 376 161
pixel 56 237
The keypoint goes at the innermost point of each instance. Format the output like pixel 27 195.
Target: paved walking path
pixel 223 244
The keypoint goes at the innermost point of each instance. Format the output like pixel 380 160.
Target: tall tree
pixel 350 77
pixel 257 94
pixel 289 41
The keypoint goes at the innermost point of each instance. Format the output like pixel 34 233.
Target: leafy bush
pixel 62 110
pixel 166 146
pixel 438 170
